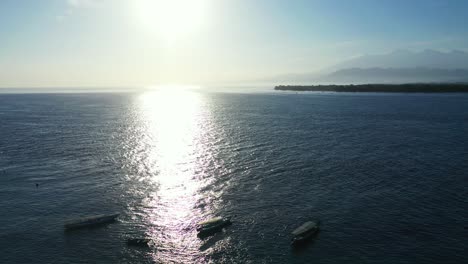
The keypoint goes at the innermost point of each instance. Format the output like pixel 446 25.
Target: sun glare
pixel 171 19
pixel 172 88
pixel 173 122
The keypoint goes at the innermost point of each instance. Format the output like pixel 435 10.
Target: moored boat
pixel 304 232
pixel 212 226
pixel 139 242
pixel 90 221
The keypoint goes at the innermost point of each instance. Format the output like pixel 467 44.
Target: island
pixel 388 88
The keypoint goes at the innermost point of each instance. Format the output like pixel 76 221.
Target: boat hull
pixel 210 230
pixel 90 221
pixel 304 238
pixel 138 242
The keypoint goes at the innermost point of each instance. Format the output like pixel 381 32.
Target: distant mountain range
pixel 400 66
pixel 395 75
pixel 454 59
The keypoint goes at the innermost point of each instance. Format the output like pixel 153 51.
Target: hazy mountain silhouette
pixel 395 75
pixel 454 59
pixel 399 66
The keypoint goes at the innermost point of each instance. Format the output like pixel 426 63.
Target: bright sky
pixel 51 43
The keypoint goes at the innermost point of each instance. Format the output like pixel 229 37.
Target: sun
pixel 171 19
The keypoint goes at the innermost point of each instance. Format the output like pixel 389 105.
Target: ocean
pixel 385 174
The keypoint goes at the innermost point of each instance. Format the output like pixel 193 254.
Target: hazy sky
pixel 144 42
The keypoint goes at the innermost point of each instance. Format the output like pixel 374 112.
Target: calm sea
pixel 385 173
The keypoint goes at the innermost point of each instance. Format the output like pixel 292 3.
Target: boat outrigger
pixel 304 232
pixel 211 226
pixel 90 221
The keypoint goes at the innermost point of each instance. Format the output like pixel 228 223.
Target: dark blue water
pixel 385 173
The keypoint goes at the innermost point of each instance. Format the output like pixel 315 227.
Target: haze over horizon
pixel 233 131
pixel 60 43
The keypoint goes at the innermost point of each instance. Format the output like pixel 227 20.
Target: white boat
pixel 213 225
pixel 90 221
pixel 304 232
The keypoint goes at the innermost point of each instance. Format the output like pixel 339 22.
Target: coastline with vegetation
pixel 392 88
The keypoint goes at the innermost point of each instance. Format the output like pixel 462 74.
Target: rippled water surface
pixel 385 173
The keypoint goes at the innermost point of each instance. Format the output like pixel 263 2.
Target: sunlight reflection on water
pixel 173 124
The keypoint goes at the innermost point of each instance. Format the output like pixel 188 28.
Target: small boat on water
pixel 90 221
pixel 211 226
pixel 304 232
pixel 139 242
